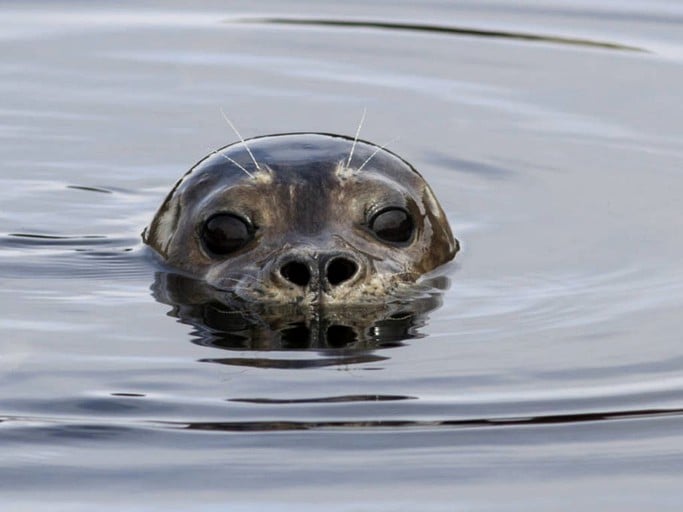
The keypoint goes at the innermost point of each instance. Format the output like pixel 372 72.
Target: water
pixel 550 378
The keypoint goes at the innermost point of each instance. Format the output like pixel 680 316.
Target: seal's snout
pixel 326 270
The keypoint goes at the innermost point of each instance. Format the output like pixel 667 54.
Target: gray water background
pixel 550 379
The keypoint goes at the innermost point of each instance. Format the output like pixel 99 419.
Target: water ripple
pixel 443 29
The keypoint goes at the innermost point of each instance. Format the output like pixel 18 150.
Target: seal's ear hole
pixel 393 225
pixel 225 233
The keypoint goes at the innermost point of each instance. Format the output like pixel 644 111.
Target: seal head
pixel 304 218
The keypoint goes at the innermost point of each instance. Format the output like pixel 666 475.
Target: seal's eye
pixel 225 233
pixel 392 225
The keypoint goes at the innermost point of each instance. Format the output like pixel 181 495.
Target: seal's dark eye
pixel 392 225
pixel 225 233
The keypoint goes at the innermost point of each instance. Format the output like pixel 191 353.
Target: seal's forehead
pixel 298 149
pixel 295 157
pixel 312 152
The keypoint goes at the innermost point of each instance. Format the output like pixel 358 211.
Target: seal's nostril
pixel 340 270
pixel 296 272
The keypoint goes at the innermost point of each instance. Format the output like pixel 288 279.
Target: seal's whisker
pixel 355 139
pixel 377 150
pixel 244 143
pixel 254 279
pixel 238 165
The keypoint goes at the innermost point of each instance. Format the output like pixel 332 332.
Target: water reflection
pixel 341 335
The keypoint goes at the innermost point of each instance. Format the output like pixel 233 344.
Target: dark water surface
pixel 550 378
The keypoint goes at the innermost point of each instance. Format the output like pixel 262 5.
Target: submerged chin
pixel 378 290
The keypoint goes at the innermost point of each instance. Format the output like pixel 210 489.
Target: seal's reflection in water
pixel 340 335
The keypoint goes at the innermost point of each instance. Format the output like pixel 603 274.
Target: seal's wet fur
pixel 309 198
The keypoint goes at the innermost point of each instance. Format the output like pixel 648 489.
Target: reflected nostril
pixel 340 270
pixel 340 336
pixel 296 272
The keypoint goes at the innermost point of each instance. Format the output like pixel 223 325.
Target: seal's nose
pixel 329 269
pixel 338 268
pixel 296 271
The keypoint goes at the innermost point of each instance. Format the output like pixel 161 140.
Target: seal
pixel 303 219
